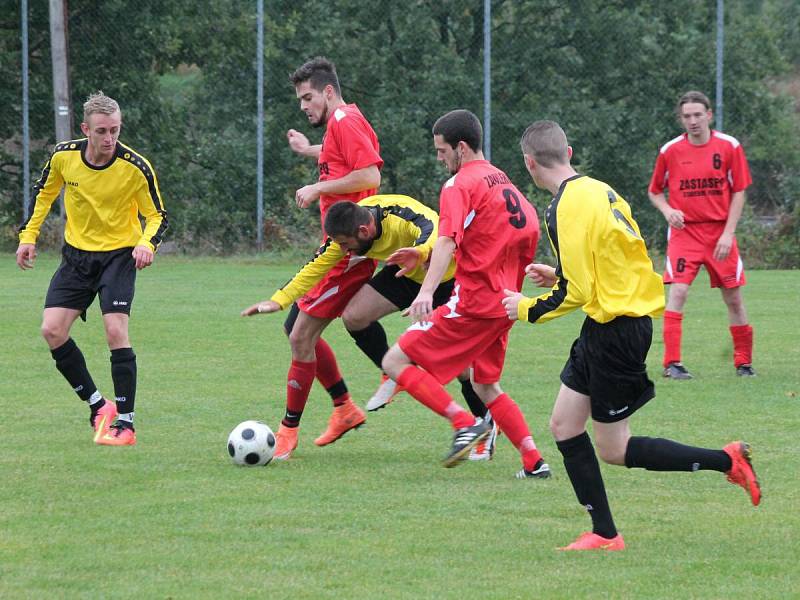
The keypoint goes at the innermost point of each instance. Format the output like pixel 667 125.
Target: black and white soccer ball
pixel 251 444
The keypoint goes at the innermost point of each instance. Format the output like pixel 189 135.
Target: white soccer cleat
pixel 383 395
pixel 485 449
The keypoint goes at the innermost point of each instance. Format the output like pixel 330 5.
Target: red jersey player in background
pixel 493 231
pixel 349 169
pixel 706 174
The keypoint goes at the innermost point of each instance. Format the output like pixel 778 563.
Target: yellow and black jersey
pixel 401 222
pixel 103 203
pixel 603 266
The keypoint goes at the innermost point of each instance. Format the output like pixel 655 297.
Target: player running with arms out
pixel 108 185
pixel 705 173
pixel 349 165
pixel 492 230
pixel 377 227
pixel 603 267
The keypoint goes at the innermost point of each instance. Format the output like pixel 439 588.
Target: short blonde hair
pixel 99 103
pixel 546 143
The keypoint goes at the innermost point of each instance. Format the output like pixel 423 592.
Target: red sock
pixel 672 336
pixel 742 344
pixel 328 373
pixel 422 386
pixel 511 421
pixel 298 385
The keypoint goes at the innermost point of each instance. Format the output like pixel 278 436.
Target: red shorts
pixel 693 246
pixel 328 298
pixel 450 343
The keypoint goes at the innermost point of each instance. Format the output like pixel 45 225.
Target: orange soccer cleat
pixel 286 442
pixel 101 420
pixel 742 472
pixel 344 418
pixel 592 541
pixel 118 435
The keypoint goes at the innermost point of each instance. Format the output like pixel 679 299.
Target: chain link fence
pixel 610 72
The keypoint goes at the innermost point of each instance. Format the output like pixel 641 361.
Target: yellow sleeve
pixel 151 207
pixel 575 268
pixel 47 189
pixel 312 273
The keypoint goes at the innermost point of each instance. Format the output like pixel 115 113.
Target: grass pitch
pixel 373 515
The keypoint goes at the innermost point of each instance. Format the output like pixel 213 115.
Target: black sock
pixel 372 341
pixel 476 405
pixel 657 454
pixel 291 418
pixel 71 364
pixel 123 374
pixel 583 469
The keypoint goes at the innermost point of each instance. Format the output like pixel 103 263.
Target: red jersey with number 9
pixel 495 229
pixel 700 179
pixel 349 144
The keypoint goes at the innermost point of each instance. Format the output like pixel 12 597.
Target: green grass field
pixel 373 515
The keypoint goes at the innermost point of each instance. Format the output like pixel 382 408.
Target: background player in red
pixel 706 174
pixel 493 231
pixel 349 169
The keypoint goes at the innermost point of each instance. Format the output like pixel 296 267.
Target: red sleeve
pixel 740 171
pixel 453 206
pixel 659 178
pixel 358 143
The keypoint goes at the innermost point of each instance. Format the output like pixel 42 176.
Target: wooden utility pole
pixel 61 92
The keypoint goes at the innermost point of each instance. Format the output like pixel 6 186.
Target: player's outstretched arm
pixel 541 275
pixel 262 308
pixel 26 254
pixel 511 304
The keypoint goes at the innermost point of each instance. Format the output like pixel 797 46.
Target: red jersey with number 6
pixel 701 179
pixel 349 144
pixel 496 231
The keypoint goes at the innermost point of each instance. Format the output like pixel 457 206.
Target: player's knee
pixel 393 363
pixel 117 335
pixel 54 334
pixel 610 452
pixel 353 321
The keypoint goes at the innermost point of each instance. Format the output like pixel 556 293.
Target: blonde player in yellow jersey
pixel 603 268
pixel 108 185
pixel 393 228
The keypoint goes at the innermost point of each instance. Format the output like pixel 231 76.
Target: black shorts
pixel 607 363
pixel 83 274
pixel 401 291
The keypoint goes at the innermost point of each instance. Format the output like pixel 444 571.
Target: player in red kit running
pixel 492 230
pixel 349 169
pixel 705 173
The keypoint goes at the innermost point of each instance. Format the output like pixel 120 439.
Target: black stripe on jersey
pixel 159 234
pixel 39 184
pixel 426 226
pixel 554 300
pixel 139 162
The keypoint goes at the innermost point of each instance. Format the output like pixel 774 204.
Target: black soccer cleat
pixel 464 440
pixel 540 471
pixel 676 370
pixel 745 371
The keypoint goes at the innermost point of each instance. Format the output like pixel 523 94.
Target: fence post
pixel 260 128
pixel 487 79
pixel 26 134
pixel 720 54
pixel 61 95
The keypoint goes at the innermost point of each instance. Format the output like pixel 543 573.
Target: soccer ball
pixel 251 444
